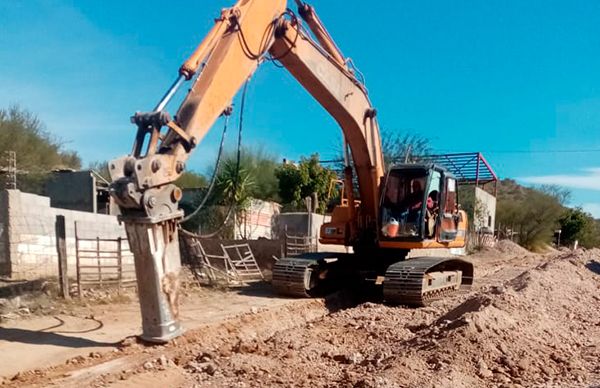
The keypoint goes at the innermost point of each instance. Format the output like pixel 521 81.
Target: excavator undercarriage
pixel 412 282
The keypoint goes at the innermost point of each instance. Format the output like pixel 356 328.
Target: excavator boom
pixel 243 37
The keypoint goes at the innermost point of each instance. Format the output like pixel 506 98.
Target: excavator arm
pixel 242 38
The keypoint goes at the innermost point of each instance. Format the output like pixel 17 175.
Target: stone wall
pixel 28 235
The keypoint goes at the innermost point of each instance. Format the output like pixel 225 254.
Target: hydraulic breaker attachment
pixel 155 248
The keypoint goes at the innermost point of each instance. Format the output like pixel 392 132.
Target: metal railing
pixel 103 262
pixel 297 245
pixel 235 264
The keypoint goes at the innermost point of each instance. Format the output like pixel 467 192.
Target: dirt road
pixel 530 320
pixel 78 329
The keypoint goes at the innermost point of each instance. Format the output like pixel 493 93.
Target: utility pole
pixel 11 170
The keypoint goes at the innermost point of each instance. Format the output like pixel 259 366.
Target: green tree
pixel 191 180
pixel 260 166
pixel 576 224
pixel 234 185
pixel 256 179
pixel 562 195
pixel 38 152
pixel 297 182
pixel 534 217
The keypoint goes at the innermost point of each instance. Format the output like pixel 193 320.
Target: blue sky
pixel 491 76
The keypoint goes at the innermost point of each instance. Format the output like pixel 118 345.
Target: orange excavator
pixel 386 219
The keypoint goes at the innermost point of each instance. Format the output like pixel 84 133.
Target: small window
pixel 450 195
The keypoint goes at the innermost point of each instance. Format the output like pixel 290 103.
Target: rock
pixel 483 370
pixel 254 310
pixel 15 302
pixel 498 290
pixel 524 364
pixel 205 357
pixel 485 373
pixel 501 377
pixel 76 360
pixel 210 368
pixel 289 354
pixel 354 358
pixel 558 358
pixel 148 365
pixel 206 367
pixel 194 366
pixel 225 352
pixel 163 361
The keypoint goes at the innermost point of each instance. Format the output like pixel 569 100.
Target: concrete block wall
pixel 5 266
pixel 28 235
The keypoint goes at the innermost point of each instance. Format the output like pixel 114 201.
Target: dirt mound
pixel 510 248
pixel 541 328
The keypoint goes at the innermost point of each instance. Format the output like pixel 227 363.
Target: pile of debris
pixel 541 328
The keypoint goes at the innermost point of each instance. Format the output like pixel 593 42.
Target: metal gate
pixel 103 262
pixel 297 245
pixel 235 265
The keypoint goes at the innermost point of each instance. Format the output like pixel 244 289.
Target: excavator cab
pixel 419 203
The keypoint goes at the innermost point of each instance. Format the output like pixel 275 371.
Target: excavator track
pixel 420 281
pixel 292 276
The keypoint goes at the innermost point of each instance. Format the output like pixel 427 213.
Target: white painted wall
pixel 258 221
pixel 487 210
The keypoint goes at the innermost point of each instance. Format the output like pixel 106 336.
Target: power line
pixel 580 151
pixel 575 151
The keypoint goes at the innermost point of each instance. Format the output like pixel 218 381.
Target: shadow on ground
pixel 261 289
pixel 48 338
pixel 593 266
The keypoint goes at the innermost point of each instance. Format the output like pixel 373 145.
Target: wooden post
pixel 285 242
pixel 61 249
pixel 77 261
pixel 99 261
pixel 120 262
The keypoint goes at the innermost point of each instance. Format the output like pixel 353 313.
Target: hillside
pixel 531 215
